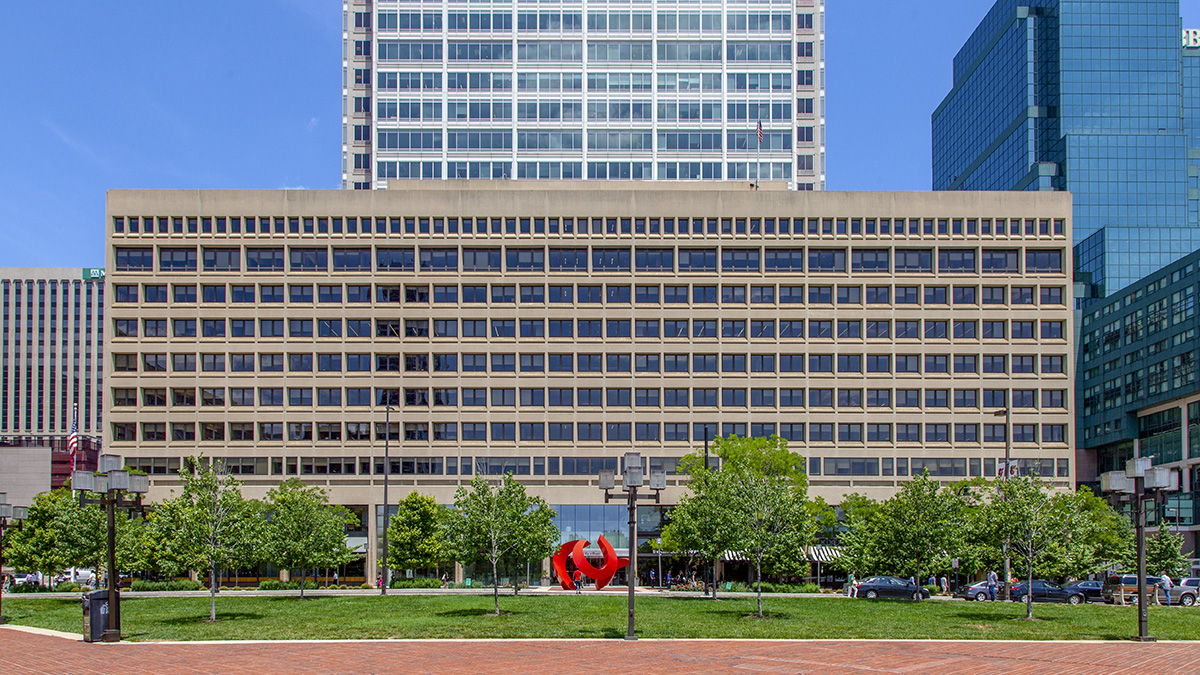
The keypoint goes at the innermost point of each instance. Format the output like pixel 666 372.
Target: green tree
pixel 1164 554
pixel 489 524
pixel 59 533
pixel 701 525
pixel 416 536
pixel 756 502
pixel 305 531
pixel 857 540
pixel 914 527
pixel 208 527
pixel 1033 520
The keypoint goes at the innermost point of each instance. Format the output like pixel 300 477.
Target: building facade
pixel 623 90
pixel 1138 390
pixel 545 329
pixel 51 341
pixel 1087 96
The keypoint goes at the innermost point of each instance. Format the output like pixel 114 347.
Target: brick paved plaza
pixel 23 653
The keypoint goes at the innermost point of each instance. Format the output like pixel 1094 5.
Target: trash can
pixel 95 615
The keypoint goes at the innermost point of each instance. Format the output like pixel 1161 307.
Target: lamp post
pixel 384 577
pixel 11 518
pixel 1138 480
pixel 632 480
pixel 1006 413
pixel 110 481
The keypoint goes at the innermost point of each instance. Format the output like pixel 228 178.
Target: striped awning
pixel 823 554
pixel 733 556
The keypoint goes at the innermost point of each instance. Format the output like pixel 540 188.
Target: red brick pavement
pixel 27 654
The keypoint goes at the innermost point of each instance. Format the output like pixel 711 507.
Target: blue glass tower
pixel 1086 96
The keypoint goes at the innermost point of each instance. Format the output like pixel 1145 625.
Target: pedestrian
pixel 945 585
pixel 335 578
pixel 578 582
pixel 668 579
pixel 445 579
pixel 379 581
pixel 991 584
pixel 932 581
pixel 1166 584
pixel 652 580
pixel 912 581
pixel 850 588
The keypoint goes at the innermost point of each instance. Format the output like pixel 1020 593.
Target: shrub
pixel 419 582
pixel 66 587
pixel 29 588
pixel 276 585
pixel 173 585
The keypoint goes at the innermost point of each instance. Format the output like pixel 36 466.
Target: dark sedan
pixel 976 591
pixel 1090 589
pixel 1047 591
pixel 889 587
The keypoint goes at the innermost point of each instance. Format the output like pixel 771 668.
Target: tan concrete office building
pixel 548 328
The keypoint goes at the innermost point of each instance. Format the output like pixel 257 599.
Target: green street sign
pixel 93 273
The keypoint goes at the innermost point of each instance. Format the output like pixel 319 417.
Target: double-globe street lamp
pixel 11 518
pixel 631 481
pixel 111 481
pixel 1139 480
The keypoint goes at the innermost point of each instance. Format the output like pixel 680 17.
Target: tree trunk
pixel 758 583
pixel 917 579
pixel 495 588
pixel 1029 591
pixel 714 579
pixel 212 593
pixel 301 582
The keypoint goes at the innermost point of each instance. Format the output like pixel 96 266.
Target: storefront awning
pixel 823 554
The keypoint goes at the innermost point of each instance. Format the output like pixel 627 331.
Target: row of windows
pixel 754 329
pixel 597 363
pixel 602 226
pixel 574 110
pixel 683 294
pixel 797 432
pixel 589 466
pixel 555 21
pixel 583 397
pixel 596 81
pixel 623 51
pixel 603 260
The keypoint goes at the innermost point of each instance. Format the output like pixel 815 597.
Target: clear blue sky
pixel 245 93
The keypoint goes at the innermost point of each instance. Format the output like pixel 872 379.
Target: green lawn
pixel 571 616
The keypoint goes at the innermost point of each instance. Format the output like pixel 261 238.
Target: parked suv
pixel 1116 585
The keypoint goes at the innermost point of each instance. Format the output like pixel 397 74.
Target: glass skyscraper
pixel 707 90
pixel 1090 96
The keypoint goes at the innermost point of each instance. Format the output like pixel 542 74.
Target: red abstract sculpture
pixel 602 575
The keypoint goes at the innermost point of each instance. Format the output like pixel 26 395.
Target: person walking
pixel 991 584
pixel 578 582
pixel 945 585
pixel 653 583
pixel 851 591
pixel 1166 584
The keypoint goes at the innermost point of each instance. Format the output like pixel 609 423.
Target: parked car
pixel 1186 591
pixel 1046 591
pixel 976 591
pixel 1127 585
pixel 1089 588
pixel 889 587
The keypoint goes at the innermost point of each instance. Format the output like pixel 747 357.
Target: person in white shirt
pixel 1166 584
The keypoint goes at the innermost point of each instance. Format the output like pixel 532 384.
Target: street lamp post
pixel 11 518
pixel 1138 480
pixel 632 480
pixel 384 578
pixel 110 481
pixel 1007 414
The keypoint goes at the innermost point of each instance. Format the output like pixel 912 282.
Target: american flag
pixel 760 132
pixel 73 438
